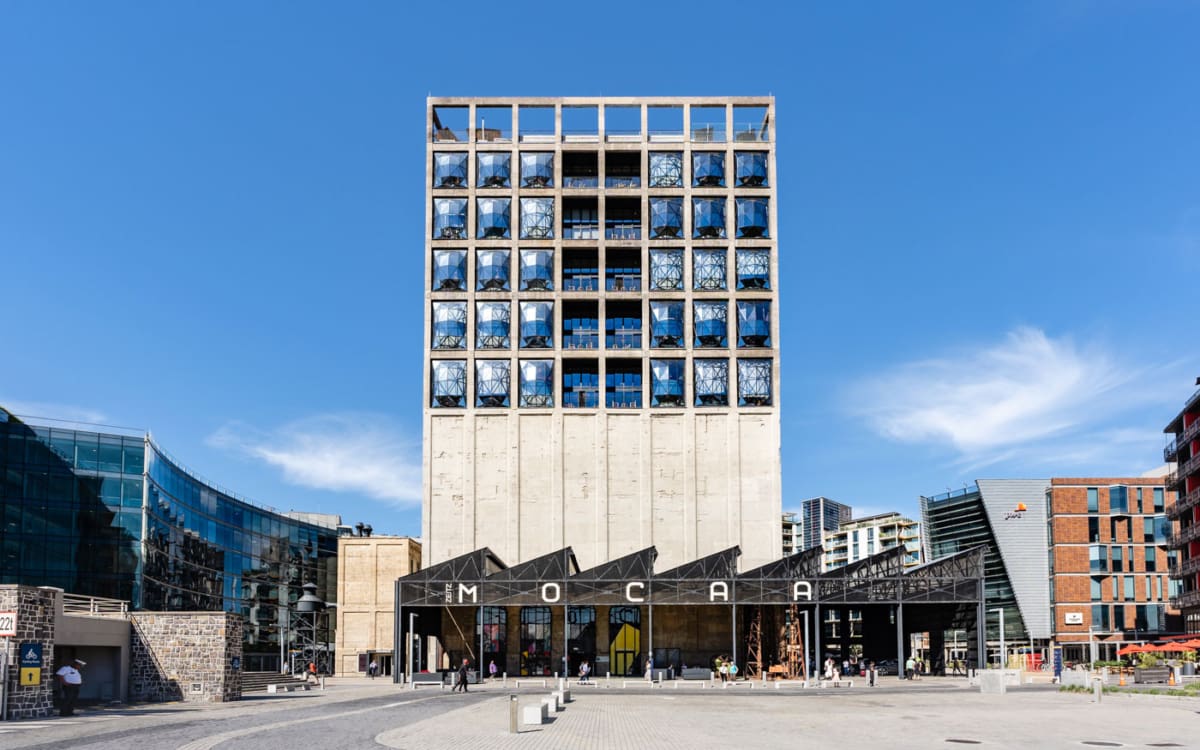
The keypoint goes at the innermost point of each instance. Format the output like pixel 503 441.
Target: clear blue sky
pixel 211 225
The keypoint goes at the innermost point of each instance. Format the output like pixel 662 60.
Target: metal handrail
pixel 1184 504
pixel 94 606
pixel 1183 536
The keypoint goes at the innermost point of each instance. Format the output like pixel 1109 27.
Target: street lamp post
pixel 1003 655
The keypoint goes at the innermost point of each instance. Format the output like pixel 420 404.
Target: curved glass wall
pixel 708 168
pixel 708 270
pixel 493 170
pixel 450 218
pixel 537 218
pixel 708 218
pixel 666 270
pixel 492 322
pixel 449 325
pixel 449 270
pixel 537 325
pixel 754 323
pixel 491 270
pixel 666 382
pixel 754 382
pixel 537 170
pixel 666 169
pixel 449 383
pixel 666 217
pixel 450 170
pixel 751 168
pixel 537 382
pixel 753 269
pixel 711 377
pixel 666 324
pixel 491 382
pixel 537 270
pixel 753 217
pixel 710 322
pixel 492 216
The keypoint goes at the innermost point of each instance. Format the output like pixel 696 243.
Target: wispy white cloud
pixel 49 410
pixel 343 452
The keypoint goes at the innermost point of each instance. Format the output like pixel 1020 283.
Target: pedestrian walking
pixel 871 674
pixel 70 679
pixel 492 669
pixel 733 670
pixel 584 670
pixel 724 670
pixel 909 664
pixel 372 669
pixel 462 677
pixel 312 672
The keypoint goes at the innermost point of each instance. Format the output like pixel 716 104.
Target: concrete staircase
pixel 256 682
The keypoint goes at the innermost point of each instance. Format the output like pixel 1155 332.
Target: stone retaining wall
pixel 185 656
pixel 35 623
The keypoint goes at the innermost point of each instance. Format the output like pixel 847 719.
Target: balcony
pixel 1187 567
pixel 1186 599
pixel 1188 433
pixel 1184 504
pixel 1183 536
pixel 1170 451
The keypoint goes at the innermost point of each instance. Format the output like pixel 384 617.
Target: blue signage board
pixel 31 655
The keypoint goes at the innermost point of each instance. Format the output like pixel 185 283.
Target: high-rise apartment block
pixel 601 328
pixel 819 516
pixel 1184 451
pixel 793 533
pixel 860 538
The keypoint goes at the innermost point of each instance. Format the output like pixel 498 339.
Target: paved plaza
pixel 362 714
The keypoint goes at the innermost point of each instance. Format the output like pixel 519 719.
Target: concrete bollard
pixel 1097 689
pixel 512 714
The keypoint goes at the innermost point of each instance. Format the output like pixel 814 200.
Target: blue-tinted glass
pixel 712 382
pixel 710 323
pixel 537 218
pixel 493 169
pixel 1118 499
pixel 537 270
pixel 753 269
pixel 537 170
pixel 708 218
pixel 491 270
pixel 666 382
pixel 708 168
pixel 450 169
pixel 449 270
pixel 751 167
pixel 754 323
pixel 666 217
pixel 708 270
pixel 666 269
pixel 753 217
pixel 666 169
pixel 450 218
pixel 492 321
pixel 666 324
pixel 537 325
pixel 537 382
pixel 449 325
pixel 449 383
pixel 492 382
pixel 492 216
pixel 754 382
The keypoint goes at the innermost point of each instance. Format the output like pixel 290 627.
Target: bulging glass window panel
pixel 492 216
pixel 711 377
pixel 754 269
pixel 493 170
pixel 666 382
pixel 666 269
pixel 492 381
pixel 449 325
pixel 751 168
pixel 708 270
pixel 492 325
pixel 537 382
pixel 537 325
pixel 754 382
pixel 666 169
pixel 753 217
pixel 491 270
pixel 708 168
pixel 666 217
pixel 537 218
pixel 710 322
pixel 450 218
pixel 537 170
pixel 666 324
pixel 708 218
pixel 450 169
pixel 449 270
pixel 754 323
pixel 449 383
pixel 537 270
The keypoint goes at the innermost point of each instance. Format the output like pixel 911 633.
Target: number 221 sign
pixel 8 624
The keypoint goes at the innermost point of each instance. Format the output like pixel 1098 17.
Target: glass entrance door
pixel 625 641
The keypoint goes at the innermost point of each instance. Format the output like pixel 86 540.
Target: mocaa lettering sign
pixel 635 592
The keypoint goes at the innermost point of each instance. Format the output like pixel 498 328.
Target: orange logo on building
pixel 1021 507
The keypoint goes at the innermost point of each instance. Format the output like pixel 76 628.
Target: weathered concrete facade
pixel 35 624
pixel 368 569
pixel 186 656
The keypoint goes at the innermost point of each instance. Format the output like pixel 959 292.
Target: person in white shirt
pixel 70 679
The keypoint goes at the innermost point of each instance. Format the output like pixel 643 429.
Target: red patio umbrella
pixel 1132 649
pixel 1166 648
pixel 1191 645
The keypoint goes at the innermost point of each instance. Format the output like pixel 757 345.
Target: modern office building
pixel 1184 451
pixel 861 538
pixel 821 515
pixel 1109 564
pixel 601 328
pixel 793 533
pixel 110 514
pixel 368 567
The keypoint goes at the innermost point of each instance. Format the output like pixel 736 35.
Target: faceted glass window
pixel 666 169
pixel 449 383
pixel 492 217
pixel 492 381
pixel 666 324
pixel 751 168
pixel 491 270
pixel 449 325
pixel 537 170
pixel 666 270
pixel 537 325
pixel 753 217
pixel 666 382
pixel 492 325
pixel 708 218
pixel 754 382
pixel 710 322
pixel 754 323
pixel 666 217
pixel 537 270
pixel 449 270
pixel 450 218
pixel 708 270
pixel 494 170
pixel 712 382
pixel 708 168
pixel 753 269
pixel 450 169
pixel 537 218
pixel 537 382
